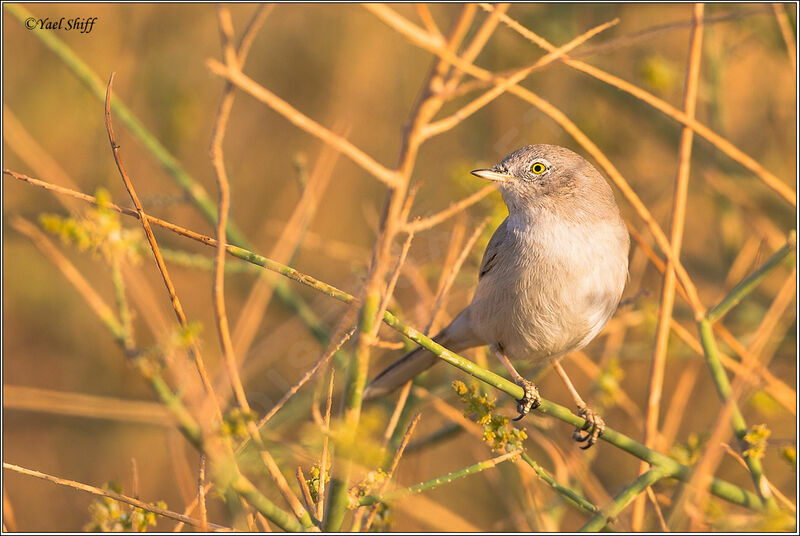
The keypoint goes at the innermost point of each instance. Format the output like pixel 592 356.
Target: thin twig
pixel 786 32
pixel 310 373
pixel 467 110
pixel 151 239
pixel 323 459
pixel 201 493
pixel 449 276
pixel 387 295
pixel 303 122
pixel 396 412
pixel 112 495
pixel 427 20
pixel 423 224
pixel 392 468
pixel 306 492
pixel 223 207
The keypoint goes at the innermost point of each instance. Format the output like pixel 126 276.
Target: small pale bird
pixel 550 279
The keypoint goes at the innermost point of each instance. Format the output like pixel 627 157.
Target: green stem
pixel 354 389
pixel 612 509
pixel 738 423
pixel 435 482
pixel 572 496
pixel 246 489
pixel 752 281
pixel 186 423
pixel 122 305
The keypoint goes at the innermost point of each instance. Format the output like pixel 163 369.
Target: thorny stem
pixel 438 481
pixel 573 497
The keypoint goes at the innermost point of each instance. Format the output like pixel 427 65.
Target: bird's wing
pixel 490 255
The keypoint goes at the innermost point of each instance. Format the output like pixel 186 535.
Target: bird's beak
pixel 491 175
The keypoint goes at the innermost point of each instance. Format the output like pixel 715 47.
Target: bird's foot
pixel 593 427
pixel 530 401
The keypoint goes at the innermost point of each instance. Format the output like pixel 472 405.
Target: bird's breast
pixel 553 288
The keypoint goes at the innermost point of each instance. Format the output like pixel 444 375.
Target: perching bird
pixel 550 279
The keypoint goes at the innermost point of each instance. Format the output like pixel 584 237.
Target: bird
pixel 550 279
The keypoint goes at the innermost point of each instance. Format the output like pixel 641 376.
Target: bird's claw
pixel 593 427
pixel 530 401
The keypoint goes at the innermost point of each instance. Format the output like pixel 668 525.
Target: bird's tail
pixel 456 337
pixel 404 369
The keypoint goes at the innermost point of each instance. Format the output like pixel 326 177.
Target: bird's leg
pixel 594 423
pixel 531 399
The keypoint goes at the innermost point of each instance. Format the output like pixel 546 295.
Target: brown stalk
pixel 373 291
pixel 303 122
pixel 34 155
pixel 43 244
pixel 111 495
pixel 323 459
pixel 201 493
pixel 223 207
pixel 427 20
pixel 151 239
pixel 680 396
pixel 83 405
pixel 395 418
pixel 718 141
pixel 467 110
pixel 266 458
pixel 289 239
pixel 9 520
pixel 310 373
pixel 786 32
pixel 477 44
pixel 422 224
pixel 306 492
pixel 678 219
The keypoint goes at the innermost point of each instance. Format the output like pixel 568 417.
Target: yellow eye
pixel 538 168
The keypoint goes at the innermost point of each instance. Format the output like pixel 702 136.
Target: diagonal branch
pixel 260 93
pixel 116 496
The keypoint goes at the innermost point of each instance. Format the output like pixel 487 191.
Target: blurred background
pixel 64 377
